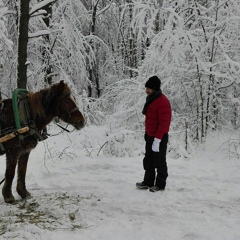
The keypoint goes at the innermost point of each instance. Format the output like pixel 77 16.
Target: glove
pixel 156 144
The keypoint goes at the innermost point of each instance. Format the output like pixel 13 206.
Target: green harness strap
pixel 15 95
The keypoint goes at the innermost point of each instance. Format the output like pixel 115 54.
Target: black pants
pixel 155 160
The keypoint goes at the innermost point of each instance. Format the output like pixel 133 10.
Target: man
pixel 157 111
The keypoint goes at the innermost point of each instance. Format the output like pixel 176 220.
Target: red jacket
pixel 158 117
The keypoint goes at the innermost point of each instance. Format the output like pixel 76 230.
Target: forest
pixel 107 49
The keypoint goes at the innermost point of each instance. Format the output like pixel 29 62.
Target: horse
pixel 44 105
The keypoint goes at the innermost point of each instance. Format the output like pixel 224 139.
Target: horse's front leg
pixel 9 175
pixel 22 168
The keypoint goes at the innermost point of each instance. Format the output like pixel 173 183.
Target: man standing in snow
pixel 157 111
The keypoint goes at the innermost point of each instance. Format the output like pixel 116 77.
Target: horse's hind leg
pixel 9 175
pixel 22 168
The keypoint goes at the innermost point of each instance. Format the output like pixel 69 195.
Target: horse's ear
pixel 49 96
pixel 53 91
pixel 60 87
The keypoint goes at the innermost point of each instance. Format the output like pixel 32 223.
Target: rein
pixel 2 181
pixel 63 128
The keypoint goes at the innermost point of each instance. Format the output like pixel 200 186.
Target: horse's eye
pixel 67 101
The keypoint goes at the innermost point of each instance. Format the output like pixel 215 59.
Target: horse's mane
pixel 36 99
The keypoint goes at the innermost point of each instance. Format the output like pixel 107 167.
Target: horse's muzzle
pixel 79 125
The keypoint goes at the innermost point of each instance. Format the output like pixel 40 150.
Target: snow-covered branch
pixel 41 5
pixel 39 34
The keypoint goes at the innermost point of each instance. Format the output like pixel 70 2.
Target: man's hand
pixel 156 145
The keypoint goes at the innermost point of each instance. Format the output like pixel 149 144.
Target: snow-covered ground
pixel 79 193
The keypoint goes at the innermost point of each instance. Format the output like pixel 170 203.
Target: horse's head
pixel 65 108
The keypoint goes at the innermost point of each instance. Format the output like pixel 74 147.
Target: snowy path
pixel 79 197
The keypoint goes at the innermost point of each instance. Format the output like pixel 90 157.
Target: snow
pixel 80 193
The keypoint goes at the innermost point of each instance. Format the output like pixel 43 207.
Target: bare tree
pixel 92 68
pixel 22 44
pixel 47 50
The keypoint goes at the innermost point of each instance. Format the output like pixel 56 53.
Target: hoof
pixel 24 194
pixel 9 199
pixel 7 195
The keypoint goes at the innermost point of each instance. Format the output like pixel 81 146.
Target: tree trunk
pixel 93 71
pixel 22 44
pixel 131 48
pixel 48 70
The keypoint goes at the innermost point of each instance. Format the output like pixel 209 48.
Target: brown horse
pixel 44 105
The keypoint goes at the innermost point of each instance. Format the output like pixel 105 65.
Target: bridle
pixel 69 113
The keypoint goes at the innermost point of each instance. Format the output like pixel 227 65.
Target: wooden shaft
pixel 14 134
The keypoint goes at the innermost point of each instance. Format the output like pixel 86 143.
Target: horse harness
pixel 23 117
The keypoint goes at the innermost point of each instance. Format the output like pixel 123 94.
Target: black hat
pixel 153 83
